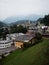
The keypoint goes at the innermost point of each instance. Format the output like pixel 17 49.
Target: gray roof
pixel 24 38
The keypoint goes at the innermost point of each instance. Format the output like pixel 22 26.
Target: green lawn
pixel 36 55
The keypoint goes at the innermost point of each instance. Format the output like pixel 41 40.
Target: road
pixel 7 50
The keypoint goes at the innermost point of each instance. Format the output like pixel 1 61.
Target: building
pixel 20 40
pixel 5 44
pixel 47 29
pixel 46 34
pixel 13 36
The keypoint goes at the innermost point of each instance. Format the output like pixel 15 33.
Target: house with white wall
pixel 5 43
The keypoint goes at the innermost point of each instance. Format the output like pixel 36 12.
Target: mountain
pixel 17 18
pixel 2 24
pixel 21 22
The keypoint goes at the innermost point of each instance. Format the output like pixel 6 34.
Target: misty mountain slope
pixel 17 18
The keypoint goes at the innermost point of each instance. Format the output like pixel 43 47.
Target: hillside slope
pixel 2 24
pixel 36 55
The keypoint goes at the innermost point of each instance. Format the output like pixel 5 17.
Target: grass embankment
pixel 36 55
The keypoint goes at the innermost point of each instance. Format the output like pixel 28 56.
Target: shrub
pixel 38 36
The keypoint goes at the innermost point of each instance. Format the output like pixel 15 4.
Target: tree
pixel 45 20
pixel 4 32
pixel 18 29
pixel 38 37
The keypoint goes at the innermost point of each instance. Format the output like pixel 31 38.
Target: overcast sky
pixel 23 7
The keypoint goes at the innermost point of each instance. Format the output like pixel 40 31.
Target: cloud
pixel 23 7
